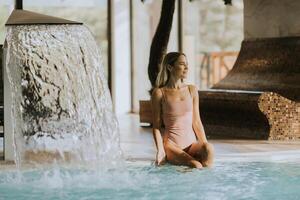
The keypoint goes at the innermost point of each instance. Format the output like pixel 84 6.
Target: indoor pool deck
pixel 137 144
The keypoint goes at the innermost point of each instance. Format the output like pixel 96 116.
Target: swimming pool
pixel 142 180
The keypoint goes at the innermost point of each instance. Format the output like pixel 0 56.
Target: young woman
pixel 176 106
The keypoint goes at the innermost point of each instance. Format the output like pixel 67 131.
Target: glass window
pixel 5 7
pixel 212 35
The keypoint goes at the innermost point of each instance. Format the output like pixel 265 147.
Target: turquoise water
pixel 143 180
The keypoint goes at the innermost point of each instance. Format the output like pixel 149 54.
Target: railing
pixel 214 66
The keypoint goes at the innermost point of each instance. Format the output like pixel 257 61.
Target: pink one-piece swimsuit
pixel 178 120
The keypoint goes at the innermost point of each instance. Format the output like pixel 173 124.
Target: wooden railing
pixel 214 66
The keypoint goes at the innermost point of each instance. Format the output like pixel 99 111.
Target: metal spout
pixel 25 17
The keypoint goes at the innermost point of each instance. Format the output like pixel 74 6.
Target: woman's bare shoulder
pixel 193 88
pixel 157 93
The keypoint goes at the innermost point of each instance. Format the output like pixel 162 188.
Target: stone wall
pixel 271 18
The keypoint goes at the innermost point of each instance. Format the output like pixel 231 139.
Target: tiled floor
pixel 137 144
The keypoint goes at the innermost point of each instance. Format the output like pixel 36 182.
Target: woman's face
pixel 180 68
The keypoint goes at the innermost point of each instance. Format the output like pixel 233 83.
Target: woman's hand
pixel 160 158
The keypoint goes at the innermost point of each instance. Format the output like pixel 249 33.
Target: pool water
pixel 143 180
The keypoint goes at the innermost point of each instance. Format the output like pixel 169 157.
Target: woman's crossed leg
pixel 203 152
pixel 177 156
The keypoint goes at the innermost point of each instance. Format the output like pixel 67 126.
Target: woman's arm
pixel 156 110
pixel 197 124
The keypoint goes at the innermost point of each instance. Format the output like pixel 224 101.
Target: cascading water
pixel 61 103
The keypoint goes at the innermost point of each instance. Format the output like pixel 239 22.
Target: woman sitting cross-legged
pixel 176 104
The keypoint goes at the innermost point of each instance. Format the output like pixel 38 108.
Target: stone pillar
pixel 121 50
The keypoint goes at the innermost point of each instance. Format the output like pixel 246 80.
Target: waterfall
pixel 61 105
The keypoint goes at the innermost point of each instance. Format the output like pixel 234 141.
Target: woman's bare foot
pixel 196 164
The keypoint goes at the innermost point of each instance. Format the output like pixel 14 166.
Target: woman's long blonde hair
pixel 164 73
